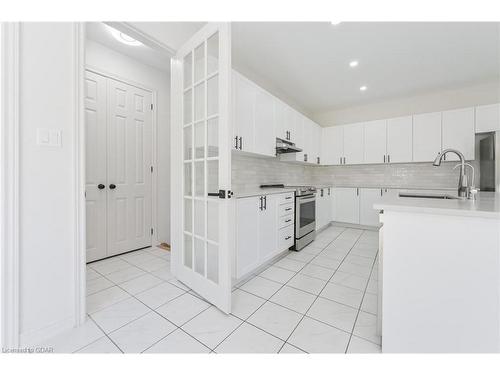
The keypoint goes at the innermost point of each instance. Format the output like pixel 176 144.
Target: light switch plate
pixel 48 137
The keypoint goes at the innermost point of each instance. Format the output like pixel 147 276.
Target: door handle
pixel 236 142
pixel 287 221
pixel 384 158
pixel 261 203
pixel 288 237
pixel 112 186
pixel 265 202
pixel 241 143
pixel 101 186
pixel 388 158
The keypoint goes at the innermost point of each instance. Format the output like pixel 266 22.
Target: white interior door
pixel 95 165
pixel 129 167
pixel 201 164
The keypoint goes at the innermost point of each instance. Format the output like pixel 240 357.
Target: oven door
pixel 305 215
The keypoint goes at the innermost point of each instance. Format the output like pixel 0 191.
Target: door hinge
pixel 151 106
pixel 152 231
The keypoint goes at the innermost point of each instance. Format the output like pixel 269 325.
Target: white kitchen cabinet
pixel 488 118
pixel 247 229
pixel 307 142
pixel 244 94
pixel 458 132
pixel 400 140
pixel 346 205
pixel 268 228
pixel 332 145
pixel 375 136
pixel 264 133
pixel 323 207
pixel 367 198
pixel 316 144
pixel 354 143
pixel 264 229
pixel 293 124
pixel 426 136
pixel 279 118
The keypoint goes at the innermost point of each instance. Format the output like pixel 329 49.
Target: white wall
pixel 110 61
pixel 442 100
pixel 46 196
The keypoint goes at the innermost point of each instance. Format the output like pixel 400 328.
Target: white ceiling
pixel 308 61
pixel 154 57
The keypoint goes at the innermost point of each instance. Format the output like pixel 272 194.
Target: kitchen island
pixel 440 266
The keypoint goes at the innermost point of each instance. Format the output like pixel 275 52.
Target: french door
pixel 201 164
pixel 118 123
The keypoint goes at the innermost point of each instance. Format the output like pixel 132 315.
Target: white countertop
pixel 487 205
pixel 259 191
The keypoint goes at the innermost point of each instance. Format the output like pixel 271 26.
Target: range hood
pixel 285 147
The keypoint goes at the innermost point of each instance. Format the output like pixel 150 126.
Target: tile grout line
pixel 269 299
pixel 359 310
pixel 305 314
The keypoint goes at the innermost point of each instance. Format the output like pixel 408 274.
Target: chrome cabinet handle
pixel 288 237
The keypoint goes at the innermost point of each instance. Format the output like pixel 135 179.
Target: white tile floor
pixel 320 300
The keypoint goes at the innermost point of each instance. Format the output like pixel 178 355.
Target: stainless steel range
pixel 305 213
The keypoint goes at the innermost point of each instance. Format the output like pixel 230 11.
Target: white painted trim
pixel 79 173
pixel 9 188
pixel 40 335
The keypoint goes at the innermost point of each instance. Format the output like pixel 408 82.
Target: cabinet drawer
pixel 287 198
pixel 285 221
pixel 285 238
pixel 286 209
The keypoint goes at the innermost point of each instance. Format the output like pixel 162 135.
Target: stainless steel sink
pixel 427 195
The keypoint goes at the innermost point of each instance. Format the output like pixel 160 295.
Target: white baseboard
pixel 40 335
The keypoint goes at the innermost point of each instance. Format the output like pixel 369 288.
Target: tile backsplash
pixel 249 172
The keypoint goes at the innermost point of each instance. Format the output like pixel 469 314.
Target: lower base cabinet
pixel 264 229
pixel 324 209
pixel 355 205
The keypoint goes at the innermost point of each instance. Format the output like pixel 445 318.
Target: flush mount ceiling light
pixel 354 63
pixel 363 88
pixel 335 23
pixel 123 38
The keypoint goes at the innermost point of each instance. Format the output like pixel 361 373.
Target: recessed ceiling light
pixel 335 23
pixel 363 88
pixel 123 38
pixel 354 63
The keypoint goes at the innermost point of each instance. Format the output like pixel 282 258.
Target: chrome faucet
pixel 463 186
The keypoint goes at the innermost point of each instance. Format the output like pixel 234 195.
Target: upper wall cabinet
pixel 375 150
pixel 399 140
pixel 332 145
pixel 458 132
pixel 244 95
pixel 354 143
pixel 265 140
pixel 488 118
pixel 426 136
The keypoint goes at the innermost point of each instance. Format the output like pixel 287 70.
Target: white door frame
pixel 154 145
pixel 9 185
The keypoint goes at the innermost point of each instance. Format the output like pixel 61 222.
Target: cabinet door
pixel 243 112
pixel 320 204
pixel 399 140
pixel 280 118
pixel 307 141
pixel 265 138
pixel 375 142
pixel 458 132
pixel 332 145
pixel 247 230
pixel 293 124
pixel 367 214
pixel 488 118
pixel 268 228
pixel 329 205
pixel 426 136
pixel 347 205
pixel 316 144
pixel 354 143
